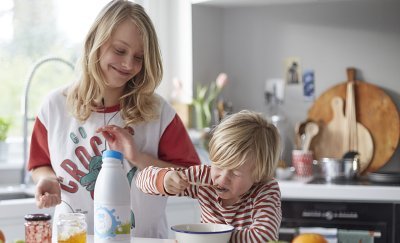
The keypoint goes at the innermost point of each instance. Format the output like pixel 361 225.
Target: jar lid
pixel 37 217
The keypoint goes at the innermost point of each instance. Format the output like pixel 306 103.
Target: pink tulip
pixel 221 80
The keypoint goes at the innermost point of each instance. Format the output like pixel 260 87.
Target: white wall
pixel 251 43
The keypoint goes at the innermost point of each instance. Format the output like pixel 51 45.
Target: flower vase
pixel 200 116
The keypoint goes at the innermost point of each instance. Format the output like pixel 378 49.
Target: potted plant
pixel 204 100
pixel 4 127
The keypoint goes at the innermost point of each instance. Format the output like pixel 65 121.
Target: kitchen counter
pixel 139 240
pixel 303 190
pixel 12 211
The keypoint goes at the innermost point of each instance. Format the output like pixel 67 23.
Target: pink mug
pixel 302 162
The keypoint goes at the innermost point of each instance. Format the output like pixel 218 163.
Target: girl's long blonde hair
pixel 138 102
pixel 246 136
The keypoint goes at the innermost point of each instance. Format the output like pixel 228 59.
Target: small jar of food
pixel 71 228
pixel 37 228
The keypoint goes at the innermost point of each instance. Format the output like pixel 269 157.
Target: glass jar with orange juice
pixel 71 228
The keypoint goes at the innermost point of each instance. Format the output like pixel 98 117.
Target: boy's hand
pixel 175 182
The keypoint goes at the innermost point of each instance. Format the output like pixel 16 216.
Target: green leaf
pixel 4 126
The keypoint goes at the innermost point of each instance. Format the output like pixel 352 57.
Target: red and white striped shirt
pixel 256 216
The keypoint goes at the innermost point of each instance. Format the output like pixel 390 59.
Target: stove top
pixel 362 181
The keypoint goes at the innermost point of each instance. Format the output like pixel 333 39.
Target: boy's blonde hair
pixel 246 136
pixel 138 102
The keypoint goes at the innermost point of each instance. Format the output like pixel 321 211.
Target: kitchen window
pixel 33 30
pixel 30 31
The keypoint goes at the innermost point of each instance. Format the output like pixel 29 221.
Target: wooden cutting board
pixel 330 140
pixel 375 110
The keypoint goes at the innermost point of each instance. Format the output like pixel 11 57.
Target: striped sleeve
pixel 199 174
pixel 150 180
pixel 266 216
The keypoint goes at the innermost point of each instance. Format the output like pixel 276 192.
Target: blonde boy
pixel 238 188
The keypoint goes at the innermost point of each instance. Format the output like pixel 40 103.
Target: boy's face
pixel 121 57
pixel 232 184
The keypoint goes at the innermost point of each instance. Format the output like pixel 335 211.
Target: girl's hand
pixel 48 193
pixel 121 139
pixel 175 182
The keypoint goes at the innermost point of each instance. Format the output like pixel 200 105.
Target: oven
pixel 378 219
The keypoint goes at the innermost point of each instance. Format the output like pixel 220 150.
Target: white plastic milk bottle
pixel 112 210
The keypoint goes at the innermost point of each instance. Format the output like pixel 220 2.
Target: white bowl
pixel 202 233
pixel 284 173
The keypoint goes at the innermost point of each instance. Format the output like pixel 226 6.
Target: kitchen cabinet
pixel 343 207
pixel 12 214
pixel 182 210
pixel 376 219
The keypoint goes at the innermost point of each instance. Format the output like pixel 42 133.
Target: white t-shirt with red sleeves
pixel 73 150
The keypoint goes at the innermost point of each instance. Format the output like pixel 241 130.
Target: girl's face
pixel 232 184
pixel 121 57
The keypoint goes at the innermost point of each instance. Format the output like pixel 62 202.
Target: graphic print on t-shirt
pixel 89 180
pixel 93 165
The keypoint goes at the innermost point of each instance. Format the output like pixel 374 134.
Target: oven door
pixel 373 218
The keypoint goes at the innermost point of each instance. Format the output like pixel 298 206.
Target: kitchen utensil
pixel 310 130
pixel 297 139
pixel 200 233
pixel 200 184
pixel 333 169
pixel 343 133
pixel 332 135
pixel 374 109
pixel 284 173
pixel 299 132
pixel 357 137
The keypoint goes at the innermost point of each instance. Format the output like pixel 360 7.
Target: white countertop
pixel 139 240
pixel 300 190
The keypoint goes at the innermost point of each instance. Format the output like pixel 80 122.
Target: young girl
pixel 121 67
pixel 238 188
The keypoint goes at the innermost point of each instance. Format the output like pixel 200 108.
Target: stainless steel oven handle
pixel 282 230
pixel 288 230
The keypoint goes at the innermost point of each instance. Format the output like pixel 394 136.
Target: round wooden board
pixel 374 109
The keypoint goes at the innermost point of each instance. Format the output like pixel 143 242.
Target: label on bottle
pixel 112 222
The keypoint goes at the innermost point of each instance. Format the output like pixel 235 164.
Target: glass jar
pixel 71 228
pixel 37 228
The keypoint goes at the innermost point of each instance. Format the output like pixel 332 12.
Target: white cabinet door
pixel 181 210
pixel 12 219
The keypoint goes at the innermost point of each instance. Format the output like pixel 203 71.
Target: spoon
pixel 201 184
pixel 310 131
pixel 299 132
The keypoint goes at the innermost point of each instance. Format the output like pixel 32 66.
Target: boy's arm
pixel 150 180
pixel 266 218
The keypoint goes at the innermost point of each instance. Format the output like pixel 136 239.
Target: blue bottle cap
pixel 113 154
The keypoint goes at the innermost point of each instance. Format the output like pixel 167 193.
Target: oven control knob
pixel 329 215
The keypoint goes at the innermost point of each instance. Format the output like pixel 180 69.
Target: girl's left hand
pixel 121 139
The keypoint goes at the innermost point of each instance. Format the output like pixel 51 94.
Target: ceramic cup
pixel 302 161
